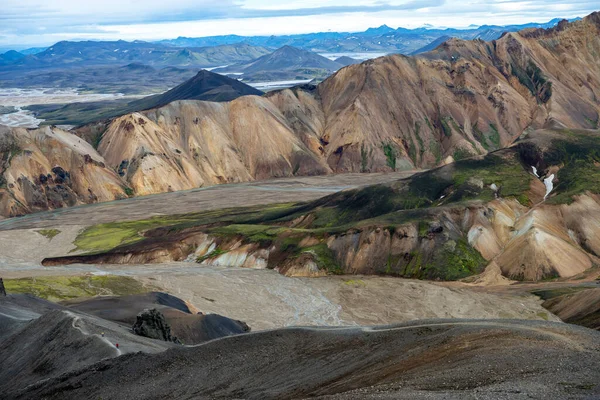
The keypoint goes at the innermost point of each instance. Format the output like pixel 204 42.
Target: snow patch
pixel 549 185
pixel 535 171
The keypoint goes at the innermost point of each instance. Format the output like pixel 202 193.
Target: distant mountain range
pixel 144 67
pixel 381 39
pixel 91 53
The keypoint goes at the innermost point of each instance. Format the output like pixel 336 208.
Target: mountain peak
pixel 383 29
pixel 205 85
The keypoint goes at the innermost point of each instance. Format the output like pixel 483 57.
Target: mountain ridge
pixel 462 99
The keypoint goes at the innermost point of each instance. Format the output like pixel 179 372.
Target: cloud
pixel 33 22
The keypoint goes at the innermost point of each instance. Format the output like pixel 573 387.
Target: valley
pixel 266 217
pixel 270 299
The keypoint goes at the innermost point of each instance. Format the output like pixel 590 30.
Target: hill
pixel 431 46
pixel 205 85
pixel 435 358
pixel 286 62
pixel 11 56
pixel 345 61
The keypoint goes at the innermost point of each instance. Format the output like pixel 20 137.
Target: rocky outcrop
pixel 152 324
pixel 48 168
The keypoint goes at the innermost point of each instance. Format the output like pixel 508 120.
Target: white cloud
pixel 35 22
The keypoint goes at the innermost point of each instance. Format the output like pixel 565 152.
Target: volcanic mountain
pixel 206 86
pixel 285 63
pixel 345 61
pixel 461 100
pixel 431 46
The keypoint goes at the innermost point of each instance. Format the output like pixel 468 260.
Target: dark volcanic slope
pixel 186 324
pixel 441 358
pixel 40 340
pixel 205 85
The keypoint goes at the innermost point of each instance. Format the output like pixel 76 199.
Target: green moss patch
pixel 104 237
pixel 324 258
pixel 57 288
pixel 48 233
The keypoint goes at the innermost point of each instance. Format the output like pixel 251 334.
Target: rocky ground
pixel 485 354
pixel 428 359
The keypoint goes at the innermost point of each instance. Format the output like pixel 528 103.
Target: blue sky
pixel 43 22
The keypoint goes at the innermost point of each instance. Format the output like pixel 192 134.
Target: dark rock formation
pixel 152 324
pixel 2 289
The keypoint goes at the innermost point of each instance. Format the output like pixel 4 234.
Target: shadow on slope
pixel 442 357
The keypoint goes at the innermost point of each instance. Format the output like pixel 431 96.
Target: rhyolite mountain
pixel 463 99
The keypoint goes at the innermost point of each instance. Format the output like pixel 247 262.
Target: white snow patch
pixel 549 185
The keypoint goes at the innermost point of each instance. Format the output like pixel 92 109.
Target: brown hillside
pixel 464 98
pixel 396 112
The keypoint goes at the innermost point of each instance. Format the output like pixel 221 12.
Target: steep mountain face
pixel 189 144
pixel 48 168
pixel 465 98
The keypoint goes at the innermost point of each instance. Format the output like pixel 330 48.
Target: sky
pixel 27 23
